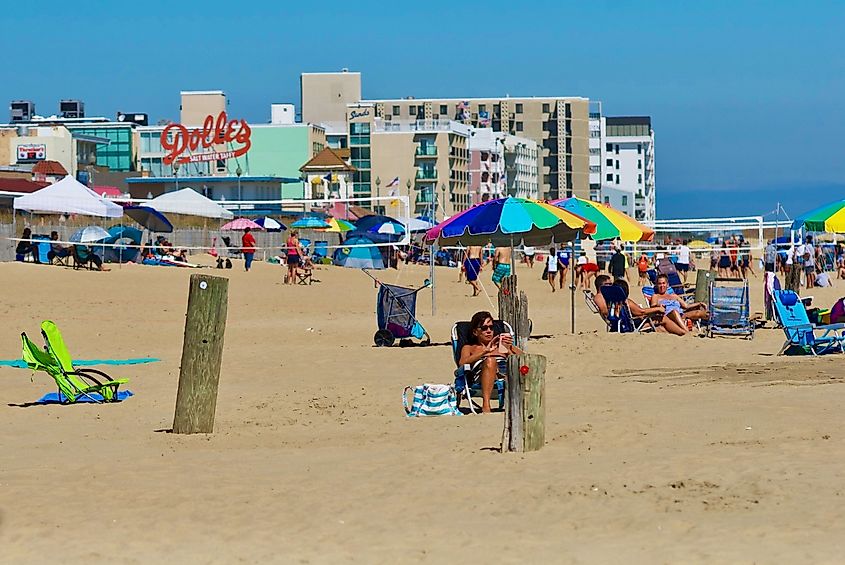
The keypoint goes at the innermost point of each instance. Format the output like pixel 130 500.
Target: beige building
pixel 197 104
pixel 559 126
pixel 424 160
pixel 27 145
pixel 325 97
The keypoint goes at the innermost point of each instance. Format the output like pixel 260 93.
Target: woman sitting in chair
pixel 489 351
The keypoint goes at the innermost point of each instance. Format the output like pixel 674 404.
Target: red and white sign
pixel 32 152
pixel 176 140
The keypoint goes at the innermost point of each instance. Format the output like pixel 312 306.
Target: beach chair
pixel 619 317
pixel 590 299
pixel 321 251
pixel 81 257
pixel 466 382
pixel 799 331
pixel 730 310
pixel 42 248
pixel 56 361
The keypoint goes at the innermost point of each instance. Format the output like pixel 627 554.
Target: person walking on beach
pixel 501 264
pixel 683 263
pixel 809 253
pixel 552 265
pixel 770 257
pixel 529 255
pixel 618 265
pixel 248 248
pixel 745 258
pixel 472 267
pixel 294 256
pixel 563 257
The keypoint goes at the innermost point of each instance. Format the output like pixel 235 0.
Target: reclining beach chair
pixel 466 377
pixel 82 257
pixel 56 361
pixel 730 310
pixel 799 331
pixel 619 317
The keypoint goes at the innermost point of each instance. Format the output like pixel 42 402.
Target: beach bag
pixel 431 400
pixel 546 273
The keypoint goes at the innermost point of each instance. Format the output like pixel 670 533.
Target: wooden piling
pixel 513 309
pixel 202 355
pixel 525 412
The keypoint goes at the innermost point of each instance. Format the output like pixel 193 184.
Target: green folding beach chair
pixel 55 360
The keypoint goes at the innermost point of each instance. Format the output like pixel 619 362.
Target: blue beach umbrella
pixel 149 218
pixel 310 222
pixel 359 252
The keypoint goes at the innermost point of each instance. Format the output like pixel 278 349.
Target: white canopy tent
pixel 189 202
pixel 68 196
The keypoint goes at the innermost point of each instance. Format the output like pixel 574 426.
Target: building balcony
pixel 426 151
pixel 426 175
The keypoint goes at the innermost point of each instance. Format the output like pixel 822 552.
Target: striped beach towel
pixel 431 400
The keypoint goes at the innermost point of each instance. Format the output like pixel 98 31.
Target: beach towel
pixel 91 398
pixel 21 364
pixel 431 400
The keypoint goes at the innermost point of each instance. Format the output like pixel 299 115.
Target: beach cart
pixel 730 310
pixel 396 315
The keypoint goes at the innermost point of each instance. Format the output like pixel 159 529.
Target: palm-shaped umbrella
pixel 610 223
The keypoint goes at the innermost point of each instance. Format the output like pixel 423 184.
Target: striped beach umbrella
pixel 829 218
pixel 510 221
pixel 610 223
pixel 339 226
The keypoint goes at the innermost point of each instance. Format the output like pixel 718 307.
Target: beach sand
pixel 659 449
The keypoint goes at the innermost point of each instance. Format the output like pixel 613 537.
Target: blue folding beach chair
pixel 730 310
pixel 800 333
pixel 466 376
pixel 619 318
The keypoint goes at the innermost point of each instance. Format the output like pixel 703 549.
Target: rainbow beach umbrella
pixel 610 223
pixel 338 226
pixel 508 222
pixel 829 218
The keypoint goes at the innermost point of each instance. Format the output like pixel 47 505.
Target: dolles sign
pixel 176 139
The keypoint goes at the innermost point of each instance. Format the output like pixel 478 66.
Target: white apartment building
pixel 596 147
pixel 502 165
pixel 627 156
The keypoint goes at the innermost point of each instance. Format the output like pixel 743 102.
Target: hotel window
pixel 639 179
pixel 608 147
pixel 482 107
pixel 396 110
pixel 497 109
pixel 443 109
pixel 639 163
pixel 607 199
pixel 617 179
pixel 519 108
pixel 610 177
pixel 617 164
pixel 639 148
pixel 545 108
pixel 412 111
pixel 609 162
pixel 617 150
pixel 518 126
pixel 624 199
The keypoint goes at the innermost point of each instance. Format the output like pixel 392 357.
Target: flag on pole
pixel 392 183
pixel 328 177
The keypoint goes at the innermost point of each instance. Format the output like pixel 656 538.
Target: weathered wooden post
pixel 202 355
pixel 513 309
pixel 525 412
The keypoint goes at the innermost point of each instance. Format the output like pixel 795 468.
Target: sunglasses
pixel 486 327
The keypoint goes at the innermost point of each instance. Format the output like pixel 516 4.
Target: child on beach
pixel 642 269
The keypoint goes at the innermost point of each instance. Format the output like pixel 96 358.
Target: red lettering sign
pixel 213 132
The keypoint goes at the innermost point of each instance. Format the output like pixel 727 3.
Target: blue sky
pixel 746 98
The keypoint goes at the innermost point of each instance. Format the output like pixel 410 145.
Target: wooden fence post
pixel 202 355
pixel 525 412
pixel 513 309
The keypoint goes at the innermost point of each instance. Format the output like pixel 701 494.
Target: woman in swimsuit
pixel 677 310
pixel 294 256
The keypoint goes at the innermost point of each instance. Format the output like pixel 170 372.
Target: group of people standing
pixel 474 260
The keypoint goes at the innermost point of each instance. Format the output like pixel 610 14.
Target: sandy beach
pixel 659 449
